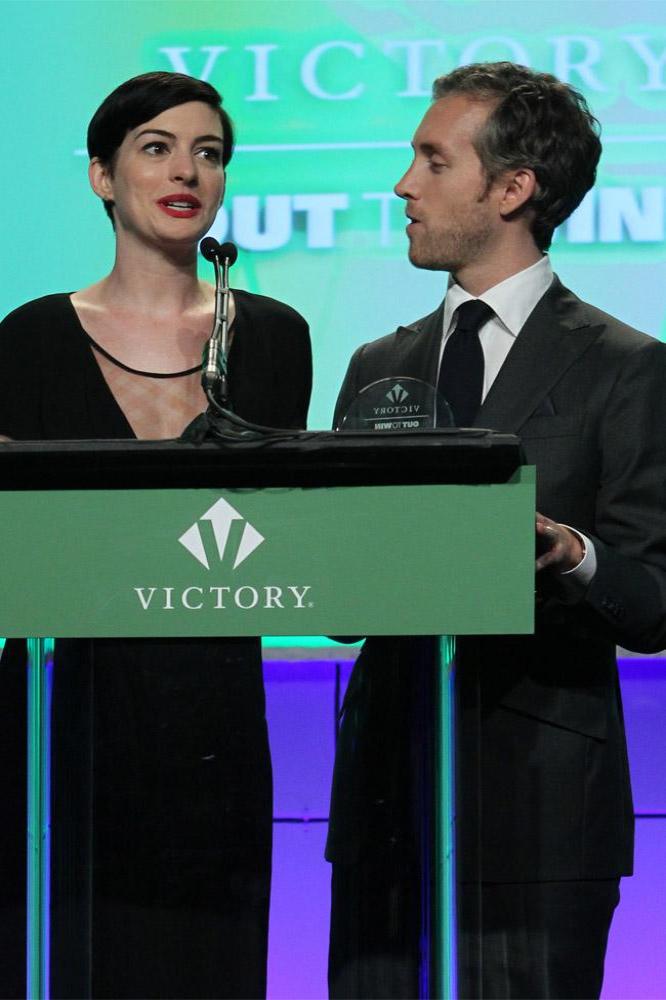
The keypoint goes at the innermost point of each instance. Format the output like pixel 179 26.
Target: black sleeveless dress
pixel 162 790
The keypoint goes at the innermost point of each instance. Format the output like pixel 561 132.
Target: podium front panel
pixel 404 560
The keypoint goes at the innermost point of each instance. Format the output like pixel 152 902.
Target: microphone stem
pixel 224 294
pixel 214 377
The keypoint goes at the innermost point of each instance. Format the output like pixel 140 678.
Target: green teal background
pixel 60 59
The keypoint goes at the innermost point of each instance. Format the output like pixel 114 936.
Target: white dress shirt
pixel 512 301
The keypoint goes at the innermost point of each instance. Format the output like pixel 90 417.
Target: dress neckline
pixel 120 364
pixel 136 371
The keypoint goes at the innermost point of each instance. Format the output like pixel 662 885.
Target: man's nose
pixel 405 188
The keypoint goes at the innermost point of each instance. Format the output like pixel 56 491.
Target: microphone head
pixel 228 250
pixel 209 248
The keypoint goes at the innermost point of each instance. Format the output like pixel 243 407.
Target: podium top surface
pixel 314 458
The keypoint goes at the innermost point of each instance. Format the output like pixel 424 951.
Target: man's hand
pixel 563 548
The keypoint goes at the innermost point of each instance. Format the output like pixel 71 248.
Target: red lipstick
pixel 180 205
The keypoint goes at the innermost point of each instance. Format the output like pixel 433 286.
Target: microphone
pixel 211 249
pixel 214 369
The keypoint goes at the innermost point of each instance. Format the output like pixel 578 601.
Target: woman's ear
pixel 100 179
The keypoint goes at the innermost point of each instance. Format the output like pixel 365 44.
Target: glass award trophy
pixel 397 404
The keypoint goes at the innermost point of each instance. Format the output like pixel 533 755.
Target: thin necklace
pixel 137 371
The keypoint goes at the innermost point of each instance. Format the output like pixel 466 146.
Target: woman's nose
pixel 183 168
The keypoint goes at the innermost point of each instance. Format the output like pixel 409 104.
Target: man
pixel 501 158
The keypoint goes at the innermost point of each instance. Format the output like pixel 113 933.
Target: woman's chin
pixel 172 241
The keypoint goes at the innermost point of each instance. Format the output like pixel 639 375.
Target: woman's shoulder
pixel 46 309
pixel 268 310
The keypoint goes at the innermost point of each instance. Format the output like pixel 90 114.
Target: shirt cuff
pixel 587 567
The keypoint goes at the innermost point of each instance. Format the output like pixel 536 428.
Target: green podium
pixel 340 534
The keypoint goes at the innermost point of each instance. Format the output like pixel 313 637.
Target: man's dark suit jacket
pixel 587 396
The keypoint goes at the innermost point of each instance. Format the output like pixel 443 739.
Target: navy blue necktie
pixel 461 372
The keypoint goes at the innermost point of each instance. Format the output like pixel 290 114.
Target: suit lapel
pixel 556 333
pixel 416 349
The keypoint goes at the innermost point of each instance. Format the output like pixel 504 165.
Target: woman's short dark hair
pixel 537 122
pixel 144 97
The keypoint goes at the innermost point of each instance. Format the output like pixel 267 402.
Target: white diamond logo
pixel 221 515
pixel 250 541
pixel 193 542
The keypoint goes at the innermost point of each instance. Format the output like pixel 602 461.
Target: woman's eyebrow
pixel 170 135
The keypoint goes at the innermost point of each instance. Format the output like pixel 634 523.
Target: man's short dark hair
pixel 139 100
pixel 536 122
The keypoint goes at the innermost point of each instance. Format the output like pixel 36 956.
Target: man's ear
pixel 100 179
pixel 519 187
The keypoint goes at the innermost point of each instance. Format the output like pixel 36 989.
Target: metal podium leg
pixel 40 671
pixel 445 980
pixel 435 796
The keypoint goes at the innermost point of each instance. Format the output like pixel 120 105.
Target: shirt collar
pixel 512 300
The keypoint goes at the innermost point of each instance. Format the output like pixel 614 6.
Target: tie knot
pixel 472 315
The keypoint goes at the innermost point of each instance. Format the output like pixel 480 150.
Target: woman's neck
pixel 159 283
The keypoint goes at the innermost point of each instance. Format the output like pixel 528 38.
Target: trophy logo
pixel 397 394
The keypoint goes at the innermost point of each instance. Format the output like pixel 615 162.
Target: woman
pixel 181 790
